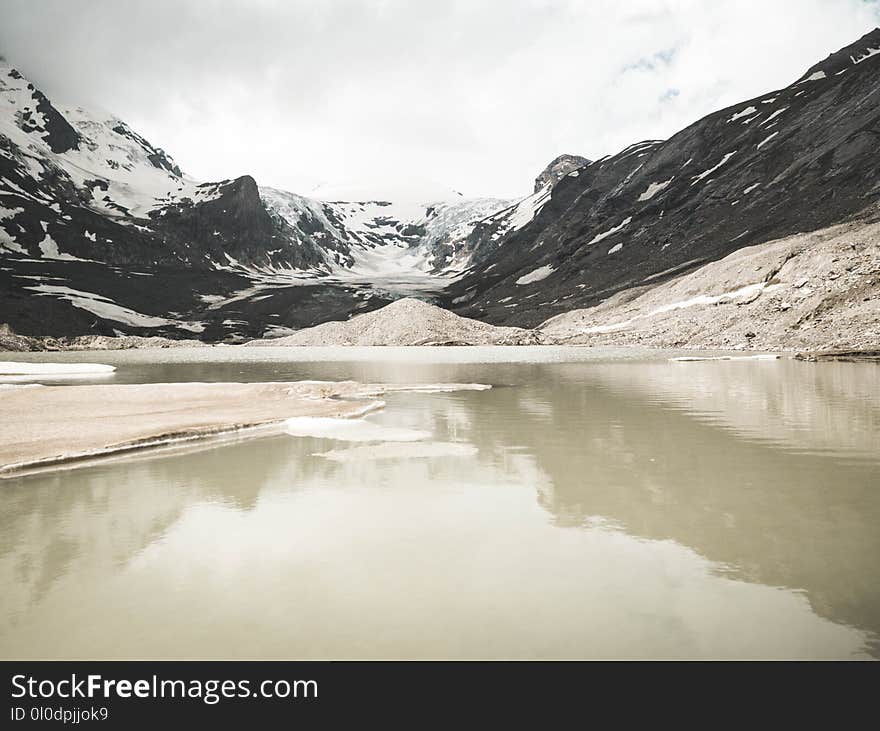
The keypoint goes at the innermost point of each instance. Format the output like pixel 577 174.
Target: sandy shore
pixel 45 425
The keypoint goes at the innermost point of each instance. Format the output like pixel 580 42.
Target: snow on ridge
pixel 814 77
pixel 108 151
pixel 530 207
pixel 637 147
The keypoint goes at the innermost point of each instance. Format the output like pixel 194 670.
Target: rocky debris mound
pixel 10 341
pixel 407 321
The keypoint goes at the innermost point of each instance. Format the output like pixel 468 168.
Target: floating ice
pixel 350 430
pixel 11 368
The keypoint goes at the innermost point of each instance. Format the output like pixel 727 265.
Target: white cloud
pixel 384 94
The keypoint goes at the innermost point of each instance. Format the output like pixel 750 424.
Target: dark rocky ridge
pixel 804 157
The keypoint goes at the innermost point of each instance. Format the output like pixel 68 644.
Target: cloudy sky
pixel 388 98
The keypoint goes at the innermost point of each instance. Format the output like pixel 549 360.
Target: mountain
pixel 793 160
pixel 102 233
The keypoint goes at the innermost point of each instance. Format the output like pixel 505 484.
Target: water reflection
pixel 598 510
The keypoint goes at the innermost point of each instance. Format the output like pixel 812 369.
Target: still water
pixel 593 504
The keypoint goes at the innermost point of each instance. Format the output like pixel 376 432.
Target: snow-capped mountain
pixel 85 201
pixel 431 236
pixel 101 232
pixel 797 159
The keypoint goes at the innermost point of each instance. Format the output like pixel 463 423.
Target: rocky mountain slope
pixel 102 233
pixel 797 159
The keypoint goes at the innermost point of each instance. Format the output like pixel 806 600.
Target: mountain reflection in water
pixel 601 508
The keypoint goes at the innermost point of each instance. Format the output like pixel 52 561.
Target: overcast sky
pixel 380 98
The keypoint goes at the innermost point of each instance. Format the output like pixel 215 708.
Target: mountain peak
pixel 558 168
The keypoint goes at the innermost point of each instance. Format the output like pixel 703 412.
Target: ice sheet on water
pixel 11 368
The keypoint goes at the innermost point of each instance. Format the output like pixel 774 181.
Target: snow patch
pixel 774 115
pixel 102 307
pixel 744 113
pixel 655 188
pixel 707 173
pixel 868 53
pixel 766 140
pixel 536 275
pixel 611 231
pixel 814 77
pixel 742 293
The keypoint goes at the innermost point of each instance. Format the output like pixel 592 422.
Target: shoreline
pixel 798 353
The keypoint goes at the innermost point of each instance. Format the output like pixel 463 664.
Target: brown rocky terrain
pixel 815 291
pixel 406 322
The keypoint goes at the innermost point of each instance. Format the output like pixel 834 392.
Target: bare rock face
pixel 558 169
pixel 406 322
